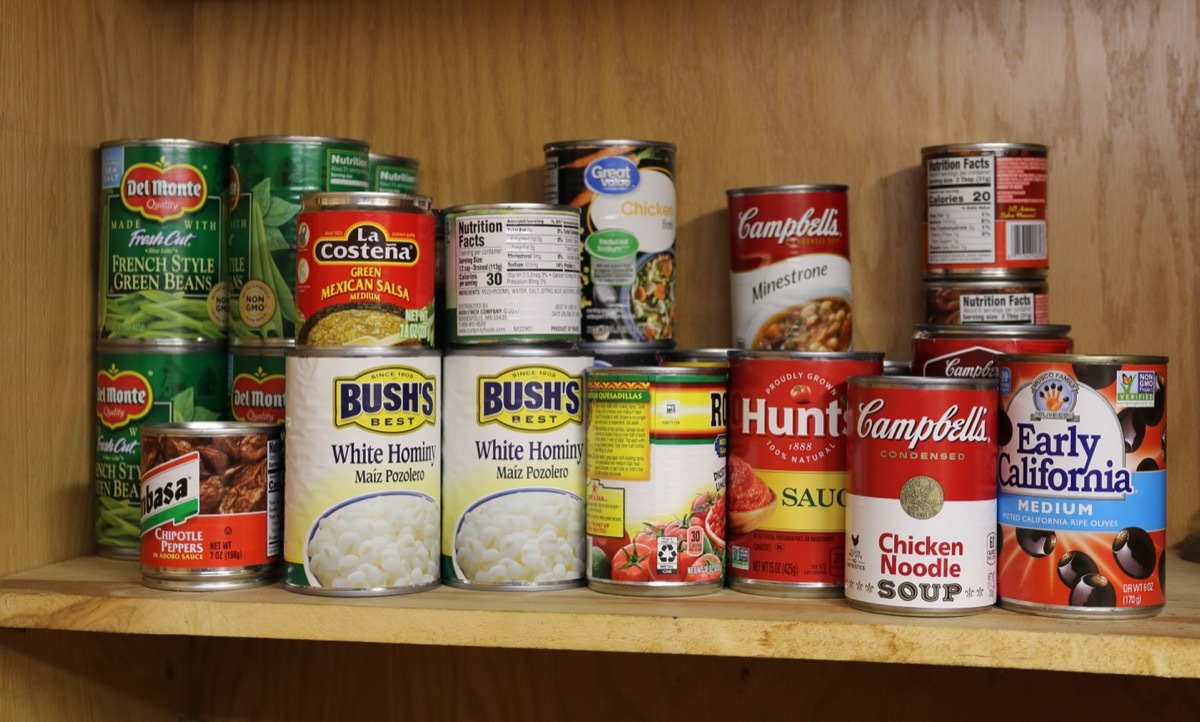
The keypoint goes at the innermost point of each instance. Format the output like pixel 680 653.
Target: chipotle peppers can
pixel 921 504
pixel 1082 479
pixel 787 461
pixel 790 268
pixel 971 351
pixel 365 270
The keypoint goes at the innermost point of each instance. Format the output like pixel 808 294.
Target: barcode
pixel 1025 240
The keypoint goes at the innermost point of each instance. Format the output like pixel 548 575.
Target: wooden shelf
pixel 91 594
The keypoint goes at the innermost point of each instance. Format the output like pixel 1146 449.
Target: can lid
pixel 639 372
pixel 175 142
pixel 1092 359
pixel 299 140
pixel 609 143
pixel 925 382
pixel 352 200
pixel 210 428
pixel 983 283
pixel 159 345
pixel 984 148
pixel 506 350
pixel 748 354
pixel 399 159
pixel 484 207
pixel 256 343
pixel 786 189
pixel 409 351
pixel 992 330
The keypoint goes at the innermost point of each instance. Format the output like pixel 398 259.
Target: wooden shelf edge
pixel 89 594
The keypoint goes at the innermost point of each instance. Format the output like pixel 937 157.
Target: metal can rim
pixel 987 147
pixel 655 371
pixel 796 189
pixel 255 343
pixel 409 351
pixel 1081 358
pixel 159 345
pixel 299 140
pixel 366 200
pixel 176 142
pixel 992 282
pixel 605 143
pixel 626 345
pixel 549 207
pixel 211 428
pixel 992 330
pixel 500 350
pixel 925 382
pixel 376 157
pixel 749 354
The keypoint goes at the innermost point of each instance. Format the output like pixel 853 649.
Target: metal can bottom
pixel 655 589
pixel 209 580
pixel 516 587
pixel 1057 612
pixel 369 592
pixel 786 589
pixel 910 612
pixel 125 554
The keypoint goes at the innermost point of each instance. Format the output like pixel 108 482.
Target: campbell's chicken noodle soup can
pixel 625 192
pixel 985 210
pixel 655 505
pixel 1082 485
pixel 972 351
pixel 365 270
pixel 954 300
pixel 787 464
pixel 212 505
pixel 921 495
pixel 258 380
pixel 790 268
pixel 163 218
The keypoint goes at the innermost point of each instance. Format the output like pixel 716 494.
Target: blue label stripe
pixel 1146 507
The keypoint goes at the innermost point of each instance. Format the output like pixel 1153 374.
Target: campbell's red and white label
pixel 787 462
pixel 790 268
pixel 921 496
pixel 966 355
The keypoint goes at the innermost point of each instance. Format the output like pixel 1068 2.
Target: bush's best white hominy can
pixel 363 499
pixel 513 469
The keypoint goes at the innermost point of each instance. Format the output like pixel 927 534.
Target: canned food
pixel 656 449
pixel 392 173
pixel 258 379
pixel 140 383
pixel 787 464
pixel 1083 477
pixel 790 268
pixel 268 175
pixel 514 273
pixel 513 473
pixel 995 300
pixel 212 505
pixel 985 210
pixel 893 367
pixel 365 270
pixel 624 353
pixel 162 235
pixel 921 496
pixel 698 357
pixel 971 351
pixel 625 190
pixel 363 505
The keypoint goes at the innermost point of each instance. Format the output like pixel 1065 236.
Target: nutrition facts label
pixel 514 273
pixel 961 206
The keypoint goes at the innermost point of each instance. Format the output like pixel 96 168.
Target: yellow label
pixel 605 510
pixel 530 398
pixel 386 400
pixel 808 500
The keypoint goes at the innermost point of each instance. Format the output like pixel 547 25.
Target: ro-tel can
pixel 365 270
pixel 212 505
pixel 1083 477
pixel 985 210
pixel 921 495
pixel 258 379
pixel 364 471
pixel 787 467
pixel 513 468
pixel 623 353
pixel 971 351
pixel 955 299
pixel 513 273
pixel 140 383
pixel 656 449
pixel 697 357
pixel 163 216
pixel 625 190
pixel 392 173
pixel 790 268
pixel 268 175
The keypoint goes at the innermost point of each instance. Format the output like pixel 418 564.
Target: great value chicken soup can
pixel 786 492
pixel 790 268
pixel 1082 479
pixel 625 192
pixel 656 491
pixel 513 468
pixel 364 471
pixel 921 495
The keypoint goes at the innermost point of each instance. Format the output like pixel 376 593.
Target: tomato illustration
pixel 801 394
pixel 632 563
pixel 706 568
pixel 609 544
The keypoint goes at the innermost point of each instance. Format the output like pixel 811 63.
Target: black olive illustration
pixel 1147 464
pixel 1134 551
pixel 1036 542
pixel 1133 428
pixel 1098 376
pixel 1093 590
pixel 999 540
pixel 1162 571
pixel 1154 415
pixel 1004 428
pixel 1074 566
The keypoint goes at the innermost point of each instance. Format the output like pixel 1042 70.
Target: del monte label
pixel 162 192
pixel 121 397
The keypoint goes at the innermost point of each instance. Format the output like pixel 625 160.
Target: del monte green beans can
pixel 139 383
pixel 163 216
pixel 268 174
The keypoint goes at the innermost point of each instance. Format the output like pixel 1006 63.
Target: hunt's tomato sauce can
pixel 921 495
pixel 787 465
pixel 1082 480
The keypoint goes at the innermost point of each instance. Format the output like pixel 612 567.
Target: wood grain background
pixel 755 92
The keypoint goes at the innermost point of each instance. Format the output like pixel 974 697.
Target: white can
pixel 514 472
pixel 363 492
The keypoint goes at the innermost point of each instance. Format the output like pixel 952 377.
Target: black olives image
pixel 1134 551
pixel 1004 428
pixel 1133 428
pixel 1147 464
pixel 1154 415
pixel 1098 376
pixel 1036 542
pixel 1093 590
pixel 1074 566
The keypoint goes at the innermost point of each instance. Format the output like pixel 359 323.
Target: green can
pixel 257 379
pixel 393 173
pixel 163 218
pixel 138 383
pixel 267 177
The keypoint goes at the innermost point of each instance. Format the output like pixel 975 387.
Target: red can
pixel 971 351
pixel 365 270
pixel 785 515
pixel 921 495
pixel 790 268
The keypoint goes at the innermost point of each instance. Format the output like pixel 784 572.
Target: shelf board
pixel 91 594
